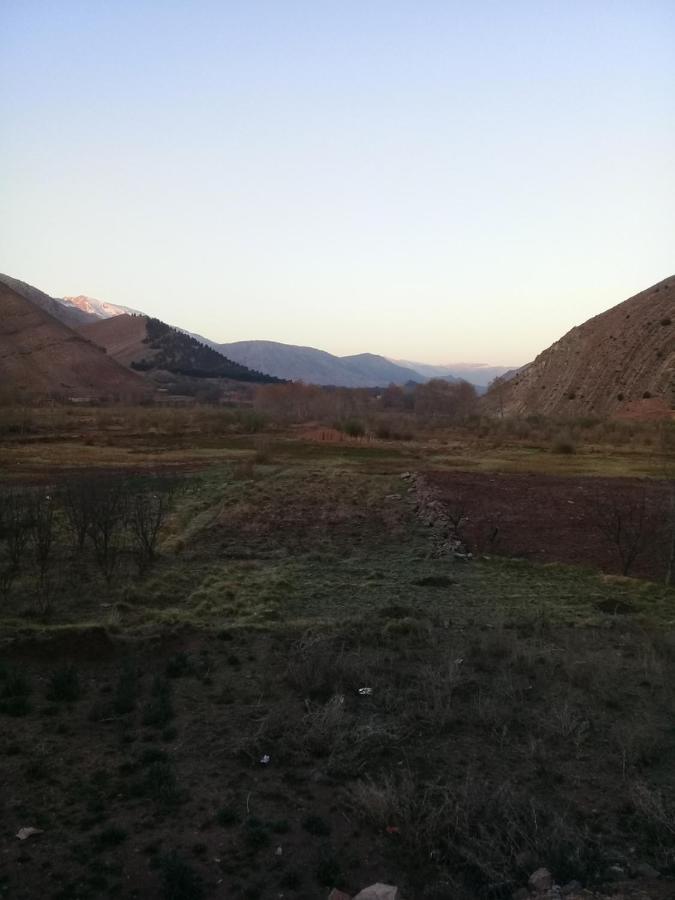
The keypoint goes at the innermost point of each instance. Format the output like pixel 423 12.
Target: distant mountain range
pixel 479 374
pixel 313 366
pixel 77 348
pixel 269 358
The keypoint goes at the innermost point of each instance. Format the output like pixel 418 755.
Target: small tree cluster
pixel 102 518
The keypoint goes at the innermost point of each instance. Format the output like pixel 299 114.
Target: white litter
pixel 365 691
pixel 264 760
pixel 24 833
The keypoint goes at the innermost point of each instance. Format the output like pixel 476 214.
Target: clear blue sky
pixel 440 181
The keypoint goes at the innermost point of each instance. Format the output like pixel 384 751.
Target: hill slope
pixel 148 345
pixel 41 355
pixel 71 316
pixel 613 363
pixel 317 366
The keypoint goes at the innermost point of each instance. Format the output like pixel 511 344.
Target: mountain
pixel 71 316
pixel 40 354
pixel 621 362
pixel 95 309
pixel 150 346
pixel 479 374
pixel 317 366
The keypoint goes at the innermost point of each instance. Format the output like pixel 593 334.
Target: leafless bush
pixel 14 533
pixel 42 508
pixel 473 830
pixel 625 522
pixel 320 666
pixel 78 499
pixel 107 522
pixel 657 815
pixel 148 508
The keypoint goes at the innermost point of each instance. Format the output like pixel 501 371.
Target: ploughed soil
pixel 554 518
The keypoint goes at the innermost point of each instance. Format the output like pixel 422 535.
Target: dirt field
pixel 517 715
pixel 566 519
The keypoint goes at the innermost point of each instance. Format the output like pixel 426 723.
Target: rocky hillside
pixel 149 346
pixel 40 355
pixel 621 362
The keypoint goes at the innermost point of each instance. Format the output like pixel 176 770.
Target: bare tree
pixel 78 495
pixel 623 520
pixel 107 524
pixel 147 513
pixel 42 507
pixel 14 530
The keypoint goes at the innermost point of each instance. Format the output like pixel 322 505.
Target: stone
pixel 541 881
pixel 379 892
pixel 572 887
pixel 616 873
pixel 644 870
pixel 335 894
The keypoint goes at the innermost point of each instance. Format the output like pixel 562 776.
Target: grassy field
pixel 516 715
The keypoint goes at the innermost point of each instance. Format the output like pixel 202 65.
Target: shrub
pixel 353 428
pixel 126 692
pixel 178 665
pixel 563 445
pixel 160 784
pixel 227 816
pixel 159 708
pixel 316 825
pixel 15 692
pixel 179 880
pixel 64 685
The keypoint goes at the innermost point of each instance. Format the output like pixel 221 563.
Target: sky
pixel 437 181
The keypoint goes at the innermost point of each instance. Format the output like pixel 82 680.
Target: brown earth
pixel 121 336
pixel 41 355
pixel 551 518
pixel 623 355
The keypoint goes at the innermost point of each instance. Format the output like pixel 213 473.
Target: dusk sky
pixel 438 181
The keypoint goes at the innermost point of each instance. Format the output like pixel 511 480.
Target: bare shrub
pixel 624 521
pixel 42 506
pixel 107 523
pixel 78 498
pixel 656 814
pixel 473 830
pixel 319 667
pixel 147 511
pixel 14 534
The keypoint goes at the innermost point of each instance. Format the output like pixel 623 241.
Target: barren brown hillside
pixel 121 336
pixel 611 365
pixel 39 354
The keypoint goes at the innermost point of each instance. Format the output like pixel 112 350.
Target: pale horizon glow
pixel 431 181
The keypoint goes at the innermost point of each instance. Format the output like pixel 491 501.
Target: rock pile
pixel 432 512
